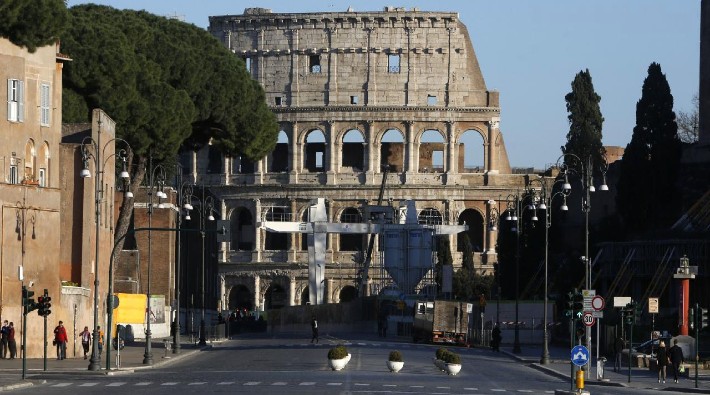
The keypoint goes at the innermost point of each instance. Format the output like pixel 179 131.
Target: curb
pixel 17 386
pixel 558 374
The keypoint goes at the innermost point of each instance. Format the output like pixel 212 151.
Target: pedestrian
pixel 676 354
pixel 11 340
pixel 85 336
pixel 314 329
pixel 618 351
pixel 3 339
pixel 662 361
pixel 101 340
pixel 496 338
pixel 60 341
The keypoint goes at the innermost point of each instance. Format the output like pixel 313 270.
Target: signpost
pixel 588 319
pixel 580 355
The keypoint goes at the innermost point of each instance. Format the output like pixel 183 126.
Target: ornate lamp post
pixel 493 218
pixel 205 210
pixel 182 191
pixel 97 154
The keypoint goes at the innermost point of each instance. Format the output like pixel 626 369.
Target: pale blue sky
pixel 531 50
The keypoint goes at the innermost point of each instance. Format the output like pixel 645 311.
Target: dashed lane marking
pixel 116 384
pixel 62 385
pixel 307 383
pixel 280 383
pixel 362 384
pixel 170 383
pixel 144 383
pixel 334 384
pixel 252 383
pixel 88 384
pixel 226 383
pixel 198 383
pixel 470 389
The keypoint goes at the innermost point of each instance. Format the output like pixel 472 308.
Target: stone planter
pixel 338 364
pixel 395 366
pixel 452 369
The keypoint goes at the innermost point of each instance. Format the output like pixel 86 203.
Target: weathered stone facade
pixel 353 92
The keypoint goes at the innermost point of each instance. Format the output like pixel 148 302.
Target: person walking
pixel 101 340
pixel 662 361
pixel 85 336
pixel 676 355
pixel 3 340
pixel 314 329
pixel 60 340
pixel 496 338
pixel 618 351
pixel 11 344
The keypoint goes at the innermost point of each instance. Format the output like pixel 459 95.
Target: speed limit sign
pixel 588 319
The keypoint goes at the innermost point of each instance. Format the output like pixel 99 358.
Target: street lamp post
pixel 205 210
pixel 156 182
pixel 181 193
pixel 493 217
pixel 96 155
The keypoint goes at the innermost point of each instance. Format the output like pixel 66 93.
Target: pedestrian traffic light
pixel 703 318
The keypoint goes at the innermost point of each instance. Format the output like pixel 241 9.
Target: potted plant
pixel 395 361
pixel 452 363
pixel 338 357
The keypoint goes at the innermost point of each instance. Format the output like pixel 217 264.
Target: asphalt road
pixel 294 366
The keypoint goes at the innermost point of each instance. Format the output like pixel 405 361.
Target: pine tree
pixel 647 198
pixel 584 138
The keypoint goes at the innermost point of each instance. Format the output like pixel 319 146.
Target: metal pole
pixel 545 359
pixel 516 343
pixel 176 338
pixel 24 340
pixel 45 344
pixel 148 356
pixel 202 290
pixel 95 361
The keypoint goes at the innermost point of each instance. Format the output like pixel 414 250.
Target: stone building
pixel 354 92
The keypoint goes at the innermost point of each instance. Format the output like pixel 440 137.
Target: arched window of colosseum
pixel 430 216
pixel 475 231
pixel 242 165
pixel 471 153
pixel 43 165
pixel 277 241
pixel 392 150
pixel 305 296
pixel 277 161
pixel 353 153
pixel 242 228
pixel 315 152
pixel 347 294
pixel 431 152
pixel 275 297
pixel 351 242
pixel 240 298
pixel 29 161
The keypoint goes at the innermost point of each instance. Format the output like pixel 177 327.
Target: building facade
pixel 354 93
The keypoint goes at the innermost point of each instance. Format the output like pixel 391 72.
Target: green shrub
pixel 337 352
pixel 440 352
pixel 395 356
pixel 451 357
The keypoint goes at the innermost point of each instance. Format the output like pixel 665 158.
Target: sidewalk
pixel 642 378
pixel 131 359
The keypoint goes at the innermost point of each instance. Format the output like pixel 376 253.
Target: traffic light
pixel 569 312
pixel 691 317
pixel 703 318
pixel 578 305
pixel 630 313
pixel 637 313
pixel 44 304
pixel 28 303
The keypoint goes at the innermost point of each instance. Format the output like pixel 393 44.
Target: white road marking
pixel 198 383
pixel 307 383
pixel 471 389
pixel 362 384
pixel 226 383
pixel 88 384
pixel 389 385
pixel 144 383
pixel 118 384
pixel 334 384
pixel 170 383
pixel 252 383
pixel 498 390
pixel 62 385
pixel 280 383
pixel 416 386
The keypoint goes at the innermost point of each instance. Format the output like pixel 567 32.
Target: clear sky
pixel 531 50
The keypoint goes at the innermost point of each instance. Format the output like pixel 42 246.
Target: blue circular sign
pixel 580 355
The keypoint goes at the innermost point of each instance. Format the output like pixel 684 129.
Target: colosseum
pixel 359 96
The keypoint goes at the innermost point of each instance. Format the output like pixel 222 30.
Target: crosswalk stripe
pixel 198 383
pixel 307 383
pixel 170 383
pixel 389 385
pixel 116 384
pixel 62 385
pixel 226 383
pixel 144 383
pixel 88 384
pixel 362 384
pixel 470 389
pixel 334 384
pixel 252 383
pixel 280 383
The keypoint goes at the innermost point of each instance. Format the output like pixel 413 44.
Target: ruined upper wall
pixel 437 65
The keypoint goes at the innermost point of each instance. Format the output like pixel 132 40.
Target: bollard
pixel 166 343
pixel 580 379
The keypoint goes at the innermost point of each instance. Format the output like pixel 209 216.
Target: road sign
pixel 598 303
pixel 621 301
pixel 598 314
pixel 580 355
pixel 588 295
pixel 653 305
pixel 588 319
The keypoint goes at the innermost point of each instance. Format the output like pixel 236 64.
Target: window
pixel 44 104
pixel 431 100
pixel 393 64
pixel 314 64
pixel 14 175
pixel 15 100
pixel 42 177
pixel 354 99
pixel 277 100
pixel 247 61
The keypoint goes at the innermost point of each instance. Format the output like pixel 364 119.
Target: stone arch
pixel 30 157
pixel 315 151
pixel 305 296
pixel 242 229
pixel 240 297
pixel 353 150
pixel 276 295
pixel 392 149
pixel 275 241
pixel 470 142
pixel 347 294
pixel 430 216
pixel 476 230
pixel 43 165
pixel 431 156
pixel 351 242
pixel 278 160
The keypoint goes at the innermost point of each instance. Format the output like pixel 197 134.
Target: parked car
pixel 649 347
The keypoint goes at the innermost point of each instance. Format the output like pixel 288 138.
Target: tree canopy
pixel 584 138
pixel 32 23
pixel 647 196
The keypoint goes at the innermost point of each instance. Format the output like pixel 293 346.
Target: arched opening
pixel 274 241
pixel 305 296
pixel 471 152
pixel 275 297
pixel 392 150
pixel 351 242
pixel 242 229
pixel 43 165
pixel 240 298
pixel 347 294
pixel 242 165
pixel 277 161
pixel 430 216
pixel 315 152
pixel 432 151
pixel 30 161
pixel 475 233
pixel 353 153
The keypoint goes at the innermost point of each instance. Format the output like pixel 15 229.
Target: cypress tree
pixel 584 138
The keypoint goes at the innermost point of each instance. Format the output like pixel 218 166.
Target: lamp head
pixel 85 173
pixel 592 189
pixel 129 194
pixel 210 217
pixel 542 206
